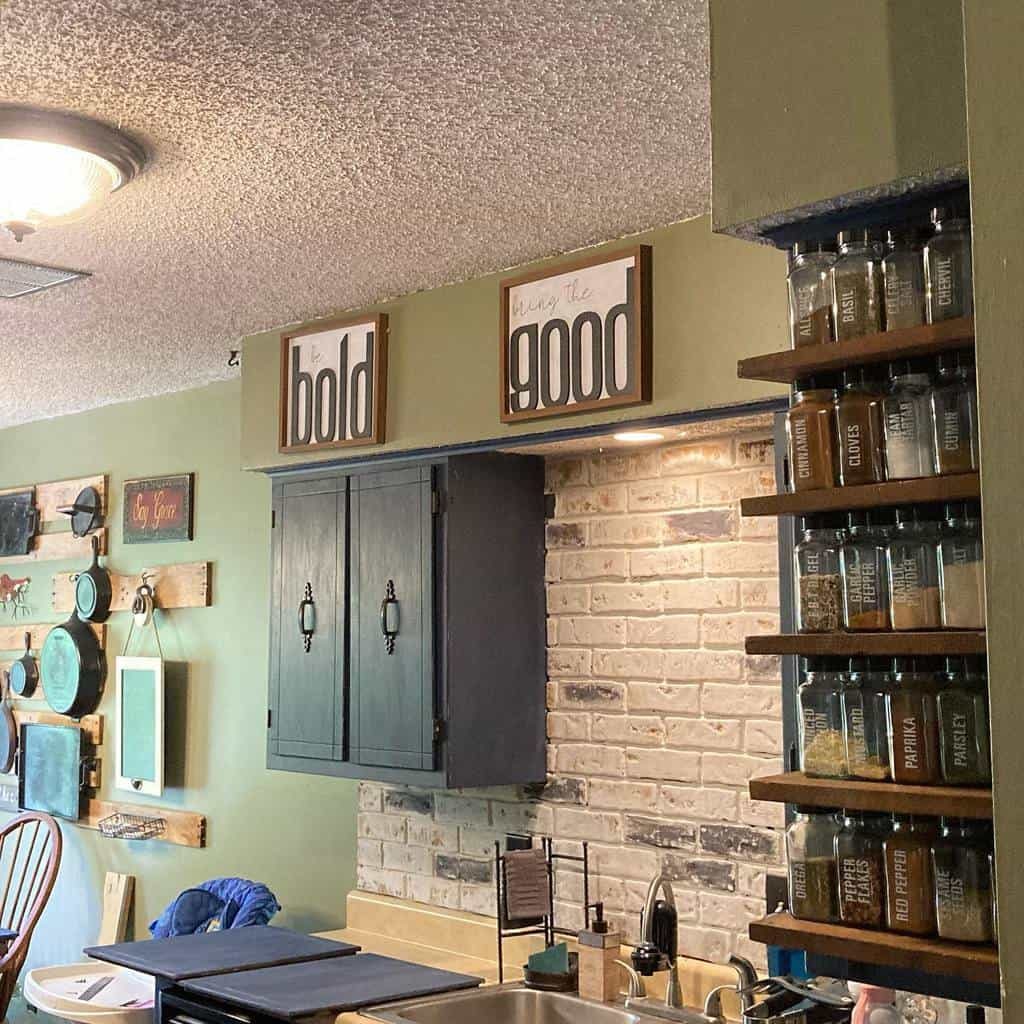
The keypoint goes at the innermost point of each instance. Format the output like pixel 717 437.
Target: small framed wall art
pixel 139 743
pixel 334 382
pixel 577 337
pixel 158 509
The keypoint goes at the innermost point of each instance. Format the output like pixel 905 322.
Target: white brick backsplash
pixel 657 719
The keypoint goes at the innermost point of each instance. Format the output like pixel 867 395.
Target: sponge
pixel 554 960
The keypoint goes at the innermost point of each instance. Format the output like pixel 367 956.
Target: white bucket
pixel 59 990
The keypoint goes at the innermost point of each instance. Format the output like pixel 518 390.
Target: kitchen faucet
pixel 658 945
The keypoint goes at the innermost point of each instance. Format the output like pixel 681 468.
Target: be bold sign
pixel 334 384
pixel 577 338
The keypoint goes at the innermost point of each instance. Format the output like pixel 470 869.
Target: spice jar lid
pixel 975 666
pixel 901 237
pixel 952 363
pixel 946 215
pixel 853 237
pixel 961 512
pixel 807 247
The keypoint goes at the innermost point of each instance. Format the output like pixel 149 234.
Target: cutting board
pixel 236 949
pixel 337 986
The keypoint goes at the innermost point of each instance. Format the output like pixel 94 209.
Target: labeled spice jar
pixel 903 280
pixel 963 881
pixel 809 435
pixel 865 721
pixel 819 599
pixel 955 414
pixel 865 573
pixel 810 853
pixel 913 727
pixel 908 421
pixel 962 568
pixel 820 695
pixel 860 429
pixel 947 267
pixel 855 279
pixel 810 301
pixel 962 708
pixel 860 869
pixel 913 562
pixel 909 882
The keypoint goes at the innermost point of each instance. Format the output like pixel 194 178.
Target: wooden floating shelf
pixel 12 638
pixel 934 956
pixel 174 586
pixel 883 797
pixel 928 490
pixel 184 828
pixel 850 644
pixel 929 339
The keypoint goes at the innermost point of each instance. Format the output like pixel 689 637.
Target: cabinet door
pixel 308 679
pixel 392 707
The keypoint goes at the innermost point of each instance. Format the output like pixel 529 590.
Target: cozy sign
pixel 334 384
pixel 577 338
pixel 158 509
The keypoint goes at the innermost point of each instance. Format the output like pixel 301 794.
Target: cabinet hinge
pixel 440 730
pixel 435 502
pixel 273 519
pixel 270 717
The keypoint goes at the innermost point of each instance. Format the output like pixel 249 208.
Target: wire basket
pixel 132 826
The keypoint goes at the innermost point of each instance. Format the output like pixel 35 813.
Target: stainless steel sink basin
pixel 514 1004
pixel 503 1005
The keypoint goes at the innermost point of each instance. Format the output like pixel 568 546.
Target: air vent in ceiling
pixel 19 277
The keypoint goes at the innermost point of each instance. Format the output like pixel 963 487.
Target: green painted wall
pixel 994 30
pixel 813 100
pixel 296 833
pixel 715 300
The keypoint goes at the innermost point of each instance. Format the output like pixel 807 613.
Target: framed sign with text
pixel 158 509
pixel 334 384
pixel 577 337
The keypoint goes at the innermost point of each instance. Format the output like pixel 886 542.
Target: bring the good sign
pixel 578 337
pixel 334 384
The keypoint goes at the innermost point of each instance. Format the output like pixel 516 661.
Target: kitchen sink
pixel 504 1005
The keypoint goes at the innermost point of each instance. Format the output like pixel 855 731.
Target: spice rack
pixel 946 642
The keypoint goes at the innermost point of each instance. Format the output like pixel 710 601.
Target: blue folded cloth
pixel 218 904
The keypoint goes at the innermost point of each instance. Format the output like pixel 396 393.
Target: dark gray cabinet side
pixel 392 619
pixel 307 714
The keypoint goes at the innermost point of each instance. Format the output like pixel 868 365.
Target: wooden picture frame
pixel 641 350
pixel 141 513
pixel 139 735
pixel 378 409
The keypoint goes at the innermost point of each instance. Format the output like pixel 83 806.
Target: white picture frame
pixel 139 736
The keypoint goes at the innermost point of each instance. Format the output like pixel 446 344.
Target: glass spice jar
pixel 913 563
pixel 963 881
pixel 860 429
pixel 908 421
pixel 809 435
pixel 860 869
pixel 903 280
pixel 810 853
pixel 912 719
pixel 819 599
pixel 810 302
pixel 822 748
pixel 962 708
pixel 947 267
pixel 855 279
pixel 955 414
pixel 909 883
pixel 865 573
pixel 962 567
pixel 865 723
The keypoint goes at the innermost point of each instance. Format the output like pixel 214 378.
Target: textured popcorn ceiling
pixel 311 156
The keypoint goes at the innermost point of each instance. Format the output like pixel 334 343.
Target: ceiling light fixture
pixel 56 168
pixel 639 436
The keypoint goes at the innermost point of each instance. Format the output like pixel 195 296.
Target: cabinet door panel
pixel 392 708
pixel 307 702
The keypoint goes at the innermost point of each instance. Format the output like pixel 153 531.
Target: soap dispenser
pixel 598 951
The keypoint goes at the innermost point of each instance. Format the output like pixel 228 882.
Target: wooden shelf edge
pixel 785 367
pixel 939 642
pixel 184 828
pixel 935 956
pixel 927 490
pixel 884 797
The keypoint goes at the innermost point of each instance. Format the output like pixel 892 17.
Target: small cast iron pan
pixel 93 591
pixel 24 675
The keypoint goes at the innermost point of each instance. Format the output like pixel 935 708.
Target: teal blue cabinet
pixel 422 656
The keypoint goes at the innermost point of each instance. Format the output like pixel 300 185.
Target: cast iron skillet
pixel 93 591
pixel 24 674
pixel 8 731
pixel 73 668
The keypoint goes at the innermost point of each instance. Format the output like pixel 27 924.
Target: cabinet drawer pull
pixel 389 620
pixel 307 618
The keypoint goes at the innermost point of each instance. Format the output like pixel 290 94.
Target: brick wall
pixel 656 717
